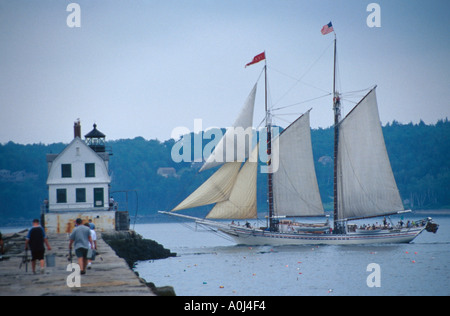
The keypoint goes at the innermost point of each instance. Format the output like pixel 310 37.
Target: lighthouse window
pixel 89 170
pixel 80 195
pixel 66 170
pixel 61 196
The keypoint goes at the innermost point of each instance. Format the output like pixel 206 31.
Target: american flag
pixel 327 28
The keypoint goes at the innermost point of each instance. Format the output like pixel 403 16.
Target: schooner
pixel 364 184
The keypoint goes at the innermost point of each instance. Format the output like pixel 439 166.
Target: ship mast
pixel 269 156
pixel 337 118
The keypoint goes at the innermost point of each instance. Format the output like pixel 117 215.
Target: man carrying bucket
pixel 35 240
pixel 81 237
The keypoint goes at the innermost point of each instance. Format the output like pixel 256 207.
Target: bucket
pixel 50 260
pixel 91 254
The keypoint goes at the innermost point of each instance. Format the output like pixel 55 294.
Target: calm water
pixel 210 265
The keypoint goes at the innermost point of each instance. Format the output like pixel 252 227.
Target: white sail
pixel 295 188
pixel 236 144
pixel 216 189
pixel 366 184
pixel 242 201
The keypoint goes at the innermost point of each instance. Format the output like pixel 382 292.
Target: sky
pixel 144 68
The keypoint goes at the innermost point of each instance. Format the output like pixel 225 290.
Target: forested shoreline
pixel 419 155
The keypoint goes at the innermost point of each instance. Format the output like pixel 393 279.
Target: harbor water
pixel 208 265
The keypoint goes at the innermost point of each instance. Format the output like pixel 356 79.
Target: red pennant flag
pixel 257 59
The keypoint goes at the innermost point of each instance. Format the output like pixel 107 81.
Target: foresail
pixel 236 144
pixel 216 189
pixel 366 184
pixel 241 203
pixel 295 188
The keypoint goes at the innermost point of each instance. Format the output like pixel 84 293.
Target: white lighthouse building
pixel 79 185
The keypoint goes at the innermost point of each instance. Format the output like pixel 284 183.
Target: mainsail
pixel 295 188
pixel 366 184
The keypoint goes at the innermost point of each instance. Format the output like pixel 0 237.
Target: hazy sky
pixel 143 68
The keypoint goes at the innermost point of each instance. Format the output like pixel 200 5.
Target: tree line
pixel 418 154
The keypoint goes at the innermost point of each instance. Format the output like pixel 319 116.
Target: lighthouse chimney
pixel 77 129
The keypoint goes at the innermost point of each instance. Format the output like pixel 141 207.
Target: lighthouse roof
pixel 95 133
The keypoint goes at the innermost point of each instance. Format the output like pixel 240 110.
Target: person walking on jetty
pixel 35 241
pixel 93 247
pixel 82 241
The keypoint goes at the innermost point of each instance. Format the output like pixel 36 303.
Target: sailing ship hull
pixel 254 237
pixel 243 235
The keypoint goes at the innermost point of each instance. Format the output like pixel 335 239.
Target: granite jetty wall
pixel 133 247
pixel 110 274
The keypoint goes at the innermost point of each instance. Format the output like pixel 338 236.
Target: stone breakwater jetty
pixel 111 272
